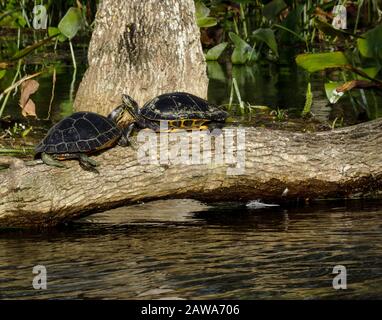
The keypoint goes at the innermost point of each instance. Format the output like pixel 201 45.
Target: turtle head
pixel 125 113
pixel 131 105
pixel 121 116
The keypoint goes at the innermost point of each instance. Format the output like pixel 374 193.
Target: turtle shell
pixel 181 105
pixel 83 132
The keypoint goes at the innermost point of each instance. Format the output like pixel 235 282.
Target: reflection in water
pixel 220 252
pixel 284 86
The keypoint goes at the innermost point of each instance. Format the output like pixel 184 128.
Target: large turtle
pixel 179 109
pixel 80 134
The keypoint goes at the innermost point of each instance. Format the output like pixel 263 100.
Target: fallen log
pixel 278 165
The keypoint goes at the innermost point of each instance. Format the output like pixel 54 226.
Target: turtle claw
pixel 92 162
pixel 87 163
pixel 48 160
pixel 89 168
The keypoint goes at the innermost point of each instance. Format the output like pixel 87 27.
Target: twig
pixel 361 73
pixel 71 94
pixel 8 93
pixel 347 86
pixel 52 96
pixel 73 56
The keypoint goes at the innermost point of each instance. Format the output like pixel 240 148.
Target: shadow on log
pixel 278 165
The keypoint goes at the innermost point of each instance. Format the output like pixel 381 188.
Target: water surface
pixel 187 250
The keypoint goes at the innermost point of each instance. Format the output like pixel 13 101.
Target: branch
pixel 278 165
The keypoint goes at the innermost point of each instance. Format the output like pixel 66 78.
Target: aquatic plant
pixel 257 29
pixel 67 28
pixel 359 66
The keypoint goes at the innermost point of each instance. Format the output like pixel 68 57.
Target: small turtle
pixel 80 134
pixel 180 110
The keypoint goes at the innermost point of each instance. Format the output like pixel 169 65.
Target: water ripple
pixel 187 250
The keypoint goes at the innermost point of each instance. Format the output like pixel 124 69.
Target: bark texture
pixel 340 163
pixel 142 48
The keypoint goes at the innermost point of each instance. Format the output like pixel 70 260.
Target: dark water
pixel 186 250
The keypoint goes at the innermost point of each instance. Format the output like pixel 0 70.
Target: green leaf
pixel 331 93
pixel 12 18
pixel 71 22
pixel 238 57
pixel 53 31
pixel 313 62
pixel 237 41
pixel 202 18
pixel 371 72
pixel 268 36
pixel 215 52
pixel 25 132
pixel 273 8
pixel 206 22
pixel 215 71
pixel 370 46
pixel 242 52
pixel 2 73
pixel 201 11
pixel 329 30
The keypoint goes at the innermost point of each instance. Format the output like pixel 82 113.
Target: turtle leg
pixel 125 139
pixel 48 160
pixel 215 128
pixel 87 163
pixel 85 158
pixel 215 125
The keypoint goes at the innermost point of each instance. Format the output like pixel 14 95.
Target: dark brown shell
pixel 180 106
pixel 81 132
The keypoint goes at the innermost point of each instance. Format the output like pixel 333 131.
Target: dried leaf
pixel 28 88
pixel 361 84
pixel 29 109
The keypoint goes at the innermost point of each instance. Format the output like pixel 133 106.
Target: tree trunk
pixel 277 165
pixel 142 48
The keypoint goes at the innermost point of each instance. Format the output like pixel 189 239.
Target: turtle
pixel 181 110
pixel 80 134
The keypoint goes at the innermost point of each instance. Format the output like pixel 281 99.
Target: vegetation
pixel 243 35
pixel 254 32
pixel 38 35
pixel 37 54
